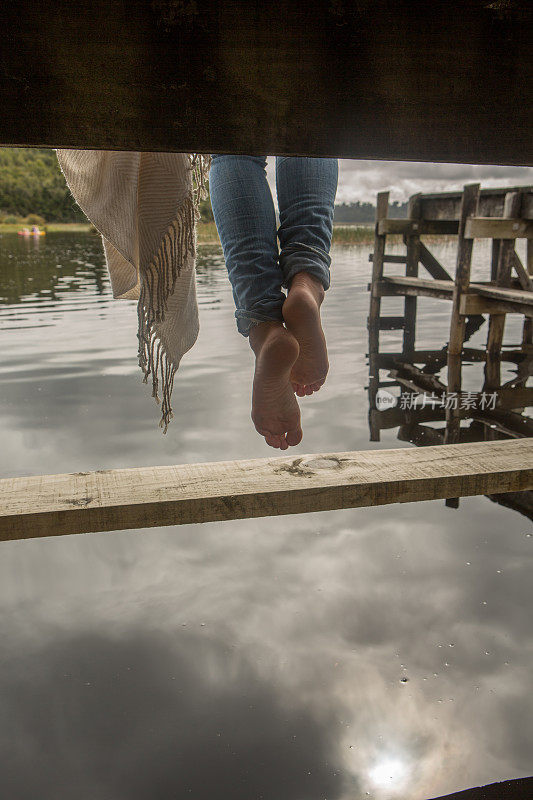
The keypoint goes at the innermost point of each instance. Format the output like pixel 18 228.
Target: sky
pixel 362 180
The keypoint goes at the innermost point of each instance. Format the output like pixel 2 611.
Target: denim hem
pixel 322 273
pixel 247 319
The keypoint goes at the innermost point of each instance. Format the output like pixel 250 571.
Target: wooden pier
pixel 502 215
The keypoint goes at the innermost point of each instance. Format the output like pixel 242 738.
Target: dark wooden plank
pixel 434 227
pixel 382 207
pixel 391 323
pixel 506 254
pixel 412 243
pixel 393 285
pixel 469 208
pixel 425 80
pixel 390 259
pixel 434 267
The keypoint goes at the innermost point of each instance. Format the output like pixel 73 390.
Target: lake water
pixel 371 653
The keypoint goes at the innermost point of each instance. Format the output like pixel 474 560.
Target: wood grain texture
pixel 434 80
pixel 519 789
pixel 145 497
pixel 487 228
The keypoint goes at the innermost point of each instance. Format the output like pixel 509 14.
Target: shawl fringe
pixel 158 280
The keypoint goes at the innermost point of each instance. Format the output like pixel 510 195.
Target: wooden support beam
pixel 487 303
pixel 382 208
pixel 412 243
pixel 392 358
pixel 433 266
pixel 491 228
pixel 447 205
pixel 390 259
pixel 397 285
pixel 391 323
pixel 469 207
pixel 436 227
pixel 120 499
pixel 524 277
pixel 506 253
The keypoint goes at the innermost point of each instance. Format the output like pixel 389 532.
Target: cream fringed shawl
pixel 145 206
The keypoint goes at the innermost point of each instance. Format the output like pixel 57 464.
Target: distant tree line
pixel 366 212
pixel 31 183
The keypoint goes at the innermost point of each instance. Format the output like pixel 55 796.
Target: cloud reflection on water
pixel 260 630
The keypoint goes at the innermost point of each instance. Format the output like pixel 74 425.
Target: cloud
pixel 362 180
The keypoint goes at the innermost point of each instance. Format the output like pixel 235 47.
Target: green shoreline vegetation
pixel 206 231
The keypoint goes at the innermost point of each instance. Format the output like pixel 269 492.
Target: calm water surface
pixel 379 652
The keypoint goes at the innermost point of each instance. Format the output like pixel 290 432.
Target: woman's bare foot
pixel 275 410
pixel 301 312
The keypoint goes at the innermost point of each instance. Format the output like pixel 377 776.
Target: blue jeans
pixel 246 222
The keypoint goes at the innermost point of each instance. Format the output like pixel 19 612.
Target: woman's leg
pixel 306 189
pixel 246 222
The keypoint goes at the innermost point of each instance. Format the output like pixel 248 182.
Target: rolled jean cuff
pixel 308 259
pixel 246 319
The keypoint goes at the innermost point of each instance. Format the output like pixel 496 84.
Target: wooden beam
pixel 519 789
pixel 447 205
pixel 490 228
pixel 352 80
pixel 485 303
pixel 511 210
pixel 434 267
pixel 393 285
pixel 391 323
pixel 119 499
pixel 390 259
pixel 374 322
pixel 409 227
pixel 412 243
pixel 469 208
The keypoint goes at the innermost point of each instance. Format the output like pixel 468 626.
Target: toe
pixel 294 437
pixel 283 442
pixel 271 439
pixel 308 389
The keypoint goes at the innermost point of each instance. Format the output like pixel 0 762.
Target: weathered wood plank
pixel 447 205
pixel 393 285
pixel 487 228
pixel 353 80
pixel 438 357
pixel 481 304
pixel 412 243
pixel 391 323
pixel 519 789
pixel 390 259
pixel 382 208
pixel 469 208
pixel 414 227
pixel 523 275
pixel 106 500
pixel 434 267
pixel 511 209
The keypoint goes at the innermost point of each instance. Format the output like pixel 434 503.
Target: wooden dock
pixel 502 215
pixel 146 497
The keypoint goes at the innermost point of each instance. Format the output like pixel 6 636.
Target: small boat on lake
pixel 34 232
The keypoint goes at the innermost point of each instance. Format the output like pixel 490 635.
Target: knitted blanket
pixel 145 206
